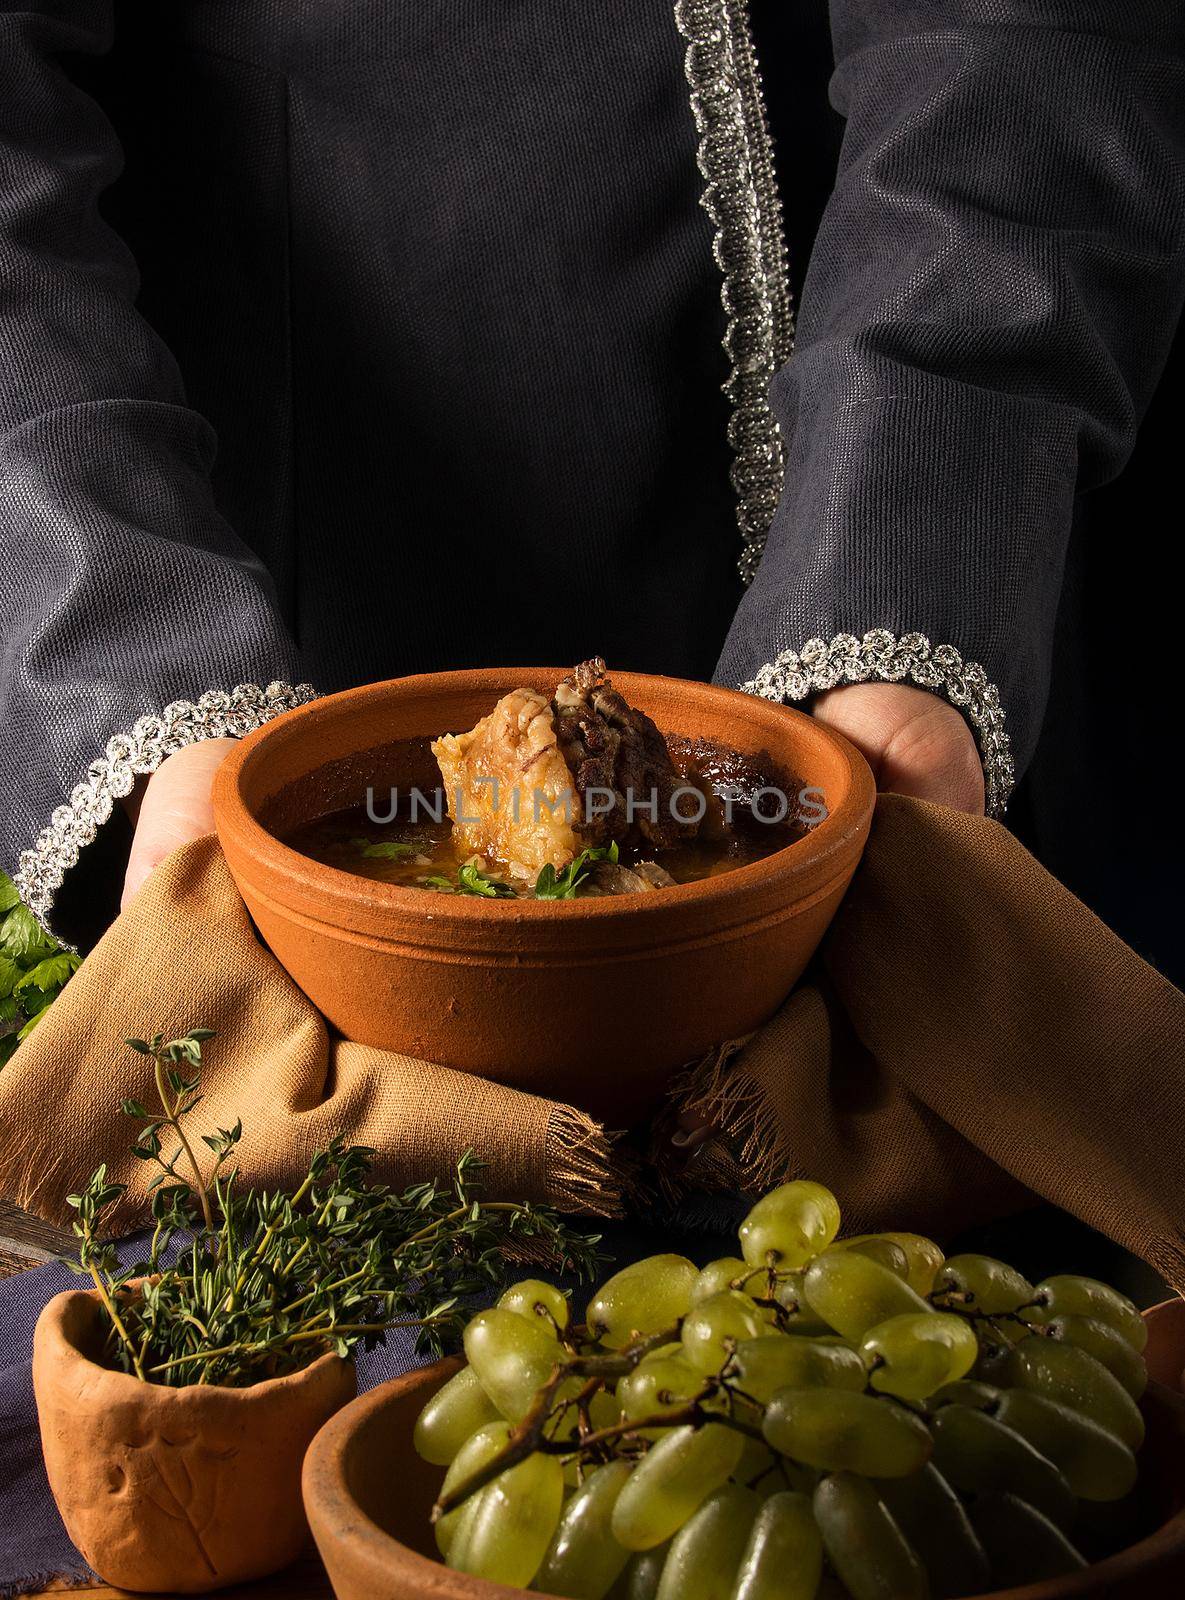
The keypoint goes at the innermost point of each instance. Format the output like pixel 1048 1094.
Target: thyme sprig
pixel 242 1285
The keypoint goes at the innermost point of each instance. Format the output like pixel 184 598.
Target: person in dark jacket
pixel 489 310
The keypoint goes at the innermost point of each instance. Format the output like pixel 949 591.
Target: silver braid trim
pixel 741 197
pixel 216 715
pixel 883 658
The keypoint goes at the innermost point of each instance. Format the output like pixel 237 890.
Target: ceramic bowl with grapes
pixel 368 1496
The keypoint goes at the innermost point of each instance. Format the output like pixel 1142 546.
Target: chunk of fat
pixel 516 746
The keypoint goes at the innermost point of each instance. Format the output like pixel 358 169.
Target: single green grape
pixel 1069 1296
pixel 674 1478
pixel 657 1384
pixel 642 1299
pixel 461 1526
pixel 513 1358
pixel 1023 1546
pixel 514 1523
pixel 1071 1377
pixel 965 1392
pixel 789 1225
pixel 783 1558
pixel 453 1414
pixel 1096 1465
pixel 995 1354
pixel 924 1258
pixel 912 1355
pixel 1105 1343
pixel 533 1298
pixel 713 1328
pixel 584 1560
pixel 642 1576
pixel 782 1362
pixel 604 1409
pixel 868 1550
pixel 760 1469
pixel 706 1552
pixel 976 1452
pixel 877 1247
pixel 989 1286
pixel 852 1294
pixel 481 1447
pixel 725 1273
pixel 836 1429
pixel 934 1521
pixel 795 1314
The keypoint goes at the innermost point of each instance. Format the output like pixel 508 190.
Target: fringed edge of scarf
pixel 744 1153
pixel 589 1170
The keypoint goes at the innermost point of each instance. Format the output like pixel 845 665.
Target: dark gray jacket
pixel 445 282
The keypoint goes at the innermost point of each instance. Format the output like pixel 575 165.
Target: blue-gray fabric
pixel 437 279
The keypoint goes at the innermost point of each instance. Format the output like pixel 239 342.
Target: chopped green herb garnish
pixel 553 885
pixel 470 879
pixel 388 850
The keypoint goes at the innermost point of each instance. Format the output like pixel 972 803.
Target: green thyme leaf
pixel 266 1281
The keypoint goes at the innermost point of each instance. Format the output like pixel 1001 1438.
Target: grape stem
pixel 529 1437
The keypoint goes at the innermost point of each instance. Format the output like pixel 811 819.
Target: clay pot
pixel 368 1496
pixel 180 1489
pixel 1165 1354
pixel 590 1001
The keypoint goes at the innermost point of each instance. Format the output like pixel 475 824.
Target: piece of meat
pixel 621 769
pixel 610 877
pixel 509 789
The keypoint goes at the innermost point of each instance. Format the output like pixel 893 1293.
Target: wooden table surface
pixel 304 1581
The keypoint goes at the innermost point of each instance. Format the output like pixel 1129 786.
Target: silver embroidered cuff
pixel 741 197
pixel 880 657
pixel 216 715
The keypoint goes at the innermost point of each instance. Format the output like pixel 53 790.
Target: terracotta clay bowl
pixel 368 1496
pixel 592 1001
pixel 186 1489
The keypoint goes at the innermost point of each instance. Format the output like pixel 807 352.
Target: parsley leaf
pixel 388 850
pixel 471 879
pixel 553 885
pixel 33 969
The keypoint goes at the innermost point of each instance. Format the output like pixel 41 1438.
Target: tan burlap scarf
pixel 970 1035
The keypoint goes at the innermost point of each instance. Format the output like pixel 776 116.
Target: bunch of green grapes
pixel 815 1416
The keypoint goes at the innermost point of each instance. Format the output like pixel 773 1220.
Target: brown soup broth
pixel 350 841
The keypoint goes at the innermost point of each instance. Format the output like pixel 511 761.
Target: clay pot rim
pixel 351 902
pixel 52 1322
pixel 328 1502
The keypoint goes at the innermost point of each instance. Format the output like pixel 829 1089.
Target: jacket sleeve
pixel 989 304
pixel 129 610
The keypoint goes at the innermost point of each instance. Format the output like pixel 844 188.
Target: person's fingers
pixel 915 743
pixel 175 808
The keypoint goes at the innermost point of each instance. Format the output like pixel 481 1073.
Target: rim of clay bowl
pixel 72 1320
pixel 334 1513
pixel 812 860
